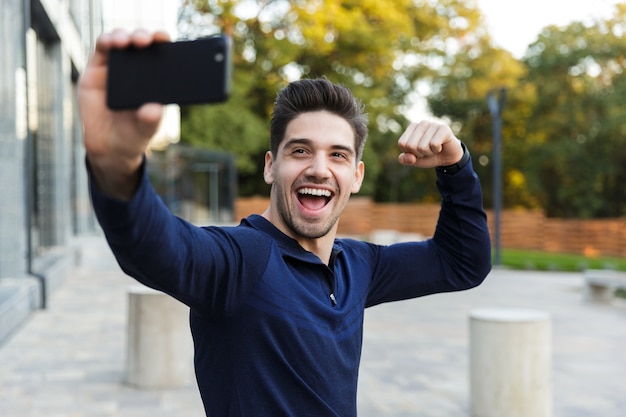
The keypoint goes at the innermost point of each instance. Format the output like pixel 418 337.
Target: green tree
pixel 459 93
pixel 563 132
pixel 379 48
pixel 231 127
pixel 579 137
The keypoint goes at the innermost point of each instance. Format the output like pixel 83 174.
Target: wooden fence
pixel 520 229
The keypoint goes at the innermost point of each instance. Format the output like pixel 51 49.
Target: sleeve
pixel 457 257
pixel 210 269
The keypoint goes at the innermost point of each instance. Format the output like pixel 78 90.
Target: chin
pixel 313 231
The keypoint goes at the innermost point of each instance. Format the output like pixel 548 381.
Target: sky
pixel 514 24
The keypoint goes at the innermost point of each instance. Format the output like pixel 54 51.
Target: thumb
pixel 410 159
pixel 149 116
pixel 407 158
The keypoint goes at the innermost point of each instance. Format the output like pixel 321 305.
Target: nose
pixel 319 167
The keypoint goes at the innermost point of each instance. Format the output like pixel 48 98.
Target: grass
pixel 543 261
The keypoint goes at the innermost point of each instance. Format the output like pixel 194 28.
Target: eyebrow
pixel 309 142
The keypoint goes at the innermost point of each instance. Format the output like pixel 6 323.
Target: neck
pixel 322 246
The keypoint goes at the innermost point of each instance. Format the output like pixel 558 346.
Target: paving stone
pixel 68 360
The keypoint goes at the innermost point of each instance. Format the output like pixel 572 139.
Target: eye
pixel 339 155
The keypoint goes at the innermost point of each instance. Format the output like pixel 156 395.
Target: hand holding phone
pixel 184 72
pixel 115 141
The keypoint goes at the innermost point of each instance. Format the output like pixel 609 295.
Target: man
pixel 277 302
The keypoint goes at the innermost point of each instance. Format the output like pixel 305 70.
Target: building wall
pixel 12 117
pixel 44 208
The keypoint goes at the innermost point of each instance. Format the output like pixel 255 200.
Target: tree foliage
pixel 564 139
pixel 378 48
pixel 459 93
pixel 563 131
pixel 577 122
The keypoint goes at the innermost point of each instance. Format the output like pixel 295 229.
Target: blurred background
pixel 541 80
pixel 535 89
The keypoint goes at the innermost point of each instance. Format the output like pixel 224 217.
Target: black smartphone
pixel 185 72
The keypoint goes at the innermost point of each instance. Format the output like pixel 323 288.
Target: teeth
pixel 314 191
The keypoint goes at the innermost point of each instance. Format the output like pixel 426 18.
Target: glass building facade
pixel 44 205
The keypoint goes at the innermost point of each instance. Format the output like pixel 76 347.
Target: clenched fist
pixel 428 145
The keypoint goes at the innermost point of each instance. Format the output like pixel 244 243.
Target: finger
pixel 406 135
pixel 409 141
pixel 141 38
pixel 120 38
pixel 94 74
pixel 416 139
pixel 161 36
pixel 103 45
pixel 149 115
pixel 150 112
pixel 407 158
pixel 421 144
pixel 432 140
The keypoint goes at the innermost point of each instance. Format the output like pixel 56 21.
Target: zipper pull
pixel 333 299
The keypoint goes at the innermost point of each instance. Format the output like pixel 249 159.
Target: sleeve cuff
pixel 454 168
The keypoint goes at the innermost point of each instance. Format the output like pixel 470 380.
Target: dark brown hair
pixel 310 95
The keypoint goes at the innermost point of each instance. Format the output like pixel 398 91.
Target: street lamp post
pixel 495 100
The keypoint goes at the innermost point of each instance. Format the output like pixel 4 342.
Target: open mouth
pixel 314 198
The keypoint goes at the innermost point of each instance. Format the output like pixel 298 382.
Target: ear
pixel 268 175
pixel 358 177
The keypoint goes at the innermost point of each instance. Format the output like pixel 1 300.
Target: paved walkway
pixel 68 360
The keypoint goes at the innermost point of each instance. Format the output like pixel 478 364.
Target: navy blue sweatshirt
pixel 276 331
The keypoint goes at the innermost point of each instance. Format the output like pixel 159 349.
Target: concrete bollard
pixel 510 363
pixel 160 348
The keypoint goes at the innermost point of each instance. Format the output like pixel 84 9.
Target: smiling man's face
pixel 313 175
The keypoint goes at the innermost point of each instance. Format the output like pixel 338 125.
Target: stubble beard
pixel 302 228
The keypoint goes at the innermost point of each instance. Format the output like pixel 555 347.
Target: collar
pixel 289 246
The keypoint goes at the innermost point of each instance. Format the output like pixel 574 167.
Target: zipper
pixel 330 281
pixel 331 292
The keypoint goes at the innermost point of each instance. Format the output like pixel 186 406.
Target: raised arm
pixel 458 256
